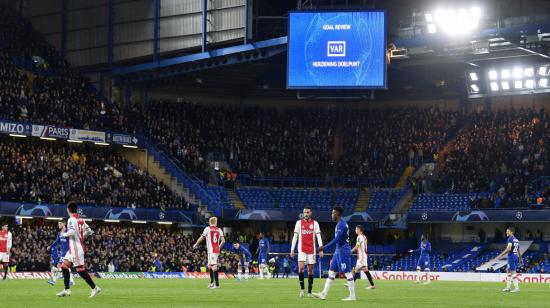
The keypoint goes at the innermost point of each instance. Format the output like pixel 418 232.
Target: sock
pixel 309 282
pixel 246 273
pixel 418 275
pixel 267 272
pixel 508 281
pixel 71 278
pixel 301 278
pixel 369 276
pixel 211 275
pixel 239 274
pixel 261 270
pixel 356 276
pixel 516 282
pixel 6 267
pixel 66 278
pixel 351 284
pixel 217 278
pixel 328 283
pixel 428 276
pixel 86 276
pixel 54 273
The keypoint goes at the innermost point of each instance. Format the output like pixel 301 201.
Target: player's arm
pixel 354 249
pixel 267 251
pixel 429 247
pixel 55 243
pixel 201 238
pixel 337 238
pixel 294 238
pixel 507 250
pixel 10 241
pixel 520 257
pixel 414 250
pixel 318 237
pixel 87 230
pixel 222 241
pixel 71 230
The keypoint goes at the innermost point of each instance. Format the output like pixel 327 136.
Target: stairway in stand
pixel 363 200
pixel 235 200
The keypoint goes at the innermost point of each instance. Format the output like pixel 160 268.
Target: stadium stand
pixel 55 172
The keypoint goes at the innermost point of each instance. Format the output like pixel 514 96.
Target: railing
pixel 307 182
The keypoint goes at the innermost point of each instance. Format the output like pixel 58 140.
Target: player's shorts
pixel 341 262
pixel 262 259
pixel 308 258
pixel 362 264
pixel 4 257
pixel 513 263
pixel 245 260
pixel 423 262
pixel 77 259
pixel 213 258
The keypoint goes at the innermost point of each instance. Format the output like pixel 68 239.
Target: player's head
pixel 236 245
pixel 359 230
pixel 337 213
pixel 5 226
pixel 423 238
pixel 509 231
pixel 213 221
pixel 307 213
pixel 61 225
pixel 261 235
pixel 72 208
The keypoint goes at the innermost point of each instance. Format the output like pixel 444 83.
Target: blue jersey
pixel 425 248
pixel 515 246
pixel 263 244
pixel 241 250
pixel 341 237
pixel 60 247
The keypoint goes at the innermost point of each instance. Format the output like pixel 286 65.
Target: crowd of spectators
pixel 117 247
pixel 55 172
pixel 500 152
pixel 56 94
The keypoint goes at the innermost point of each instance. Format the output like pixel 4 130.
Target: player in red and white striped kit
pixel 305 233
pixel 6 241
pixel 362 256
pixel 77 231
pixel 214 242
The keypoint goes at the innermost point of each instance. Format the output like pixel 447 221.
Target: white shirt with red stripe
pixel 362 248
pixel 213 236
pixel 77 230
pixel 306 232
pixel 6 241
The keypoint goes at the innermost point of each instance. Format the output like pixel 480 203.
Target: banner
pixel 199 275
pixel 495 215
pixel 119 275
pixel 122 139
pixel 8 127
pixel 50 131
pixel 289 215
pixel 450 276
pixel 29 275
pixel 86 135
pixel 95 212
pixel 164 275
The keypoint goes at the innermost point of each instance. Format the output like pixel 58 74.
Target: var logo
pixel 336 49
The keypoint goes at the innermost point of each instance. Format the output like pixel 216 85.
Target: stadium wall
pixel 462 233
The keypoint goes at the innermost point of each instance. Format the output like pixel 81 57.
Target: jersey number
pixel 215 238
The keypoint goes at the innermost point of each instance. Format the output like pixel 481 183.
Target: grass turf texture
pixel 267 293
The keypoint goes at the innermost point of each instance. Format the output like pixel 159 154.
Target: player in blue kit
pixel 244 259
pixel 262 252
pixel 514 261
pixel 59 249
pixel 423 262
pixel 341 261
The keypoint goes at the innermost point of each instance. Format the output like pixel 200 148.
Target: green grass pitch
pixel 267 293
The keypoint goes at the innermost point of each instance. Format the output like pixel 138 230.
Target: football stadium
pixel 301 153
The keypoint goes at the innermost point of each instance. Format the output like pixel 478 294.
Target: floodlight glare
pixel 494 86
pixel 518 84
pixel 474 88
pixel 529 72
pixel 493 75
pixel 459 21
pixel 518 73
pixel 505 74
pixel 505 85
pixel 429 17
pixel 432 28
pixel 473 76
pixel 543 82
pixel 542 71
pixel 530 84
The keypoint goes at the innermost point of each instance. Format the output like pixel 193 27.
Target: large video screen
pixel 336 50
